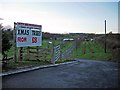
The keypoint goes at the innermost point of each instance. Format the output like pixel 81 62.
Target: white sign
pixel 28 34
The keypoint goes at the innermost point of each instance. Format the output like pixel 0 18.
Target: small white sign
pixel 28 34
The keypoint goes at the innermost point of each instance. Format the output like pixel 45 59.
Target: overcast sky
pixel 62 17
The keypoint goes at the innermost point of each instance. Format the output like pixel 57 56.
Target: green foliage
pixel 6 45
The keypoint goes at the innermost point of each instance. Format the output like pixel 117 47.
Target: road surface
pixel 80 74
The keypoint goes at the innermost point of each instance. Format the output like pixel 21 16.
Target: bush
pixel 6 45
pixel 112 43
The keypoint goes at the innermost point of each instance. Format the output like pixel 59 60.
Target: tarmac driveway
pixel 80 74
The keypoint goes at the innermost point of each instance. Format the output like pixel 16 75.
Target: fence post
pixel 21 53
pixel 28 53
pixel 105 36
pixel 37 53
pixel 52 60
pixel 60 55
pixel 52 55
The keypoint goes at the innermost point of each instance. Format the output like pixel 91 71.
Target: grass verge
pixel 63 61
pixel 23 64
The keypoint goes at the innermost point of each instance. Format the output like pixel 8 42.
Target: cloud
pixel 75 20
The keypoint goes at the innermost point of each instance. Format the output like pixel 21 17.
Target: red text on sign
pixel 22 39
pixel 34 39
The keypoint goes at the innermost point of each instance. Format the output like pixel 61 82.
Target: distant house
pixel 68 39
pixel 91 39
pixel 86 39
pixel 49 42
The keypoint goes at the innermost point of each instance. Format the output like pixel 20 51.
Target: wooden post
pixel 76 44
pixel 52 60
pixel 60 55
pixel 28 53
pixel 37 53
pixel 14 38
pixel 21 54
pixel 51 55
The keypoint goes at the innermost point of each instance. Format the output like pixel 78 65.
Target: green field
pixel 87 50
pixel 92 50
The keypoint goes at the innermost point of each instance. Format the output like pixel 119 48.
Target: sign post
pixel 105 36
pixel 14 38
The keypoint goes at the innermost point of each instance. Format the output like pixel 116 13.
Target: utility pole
pixel 105 36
